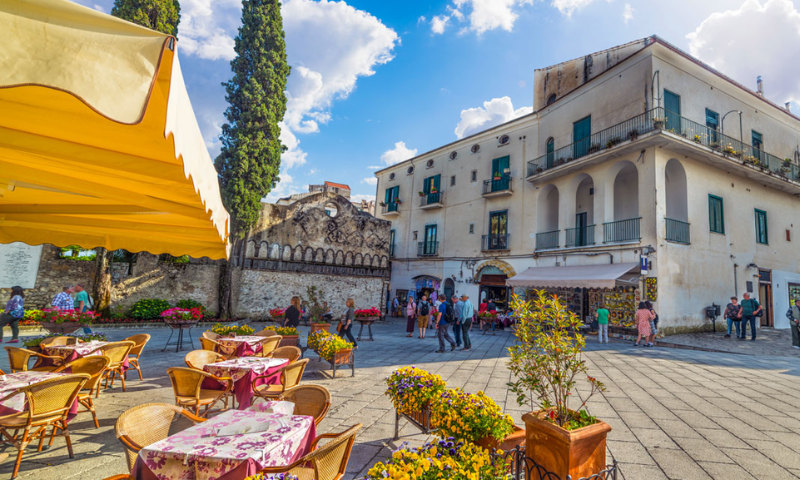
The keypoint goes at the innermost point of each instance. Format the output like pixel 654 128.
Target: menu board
pixel 18 264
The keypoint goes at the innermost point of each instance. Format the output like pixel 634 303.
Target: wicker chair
pixel 145 425
pixel 187 386
pixel 18 359
pixel 311 400
pixel 49 403
pixel 136 352
pixel 57 341
pixel 211 345
pixel 94 366
pixel 197 359
pixel 290 353
pixel 118 353
pixel 327 462
pixel 269 344
pixel 290 378
pixel 210 335
pixel 267 332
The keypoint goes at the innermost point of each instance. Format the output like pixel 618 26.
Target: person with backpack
pixel 750 310
pixel 423 312
pixel 447 316
pixel 83 303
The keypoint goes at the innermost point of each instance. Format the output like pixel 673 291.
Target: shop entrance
pixel 765 297
pixel 493 287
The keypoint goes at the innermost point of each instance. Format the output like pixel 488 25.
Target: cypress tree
pixel 250 158
pixel 159 15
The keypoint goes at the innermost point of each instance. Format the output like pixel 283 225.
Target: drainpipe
pixel 735 282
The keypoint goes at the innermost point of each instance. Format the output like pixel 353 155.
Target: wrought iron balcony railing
pixel 495 241
pixel 427 249
pixel 434 198
pixel 497 184
pixel 390 207
pixel 547 240
pixel 677 231
pixel 580 236
pixel 621 231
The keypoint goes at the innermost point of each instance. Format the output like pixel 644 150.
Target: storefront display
pixel 621 303
pixel 651 287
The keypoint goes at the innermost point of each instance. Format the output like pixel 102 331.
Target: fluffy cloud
pixel 767 39
pixel 567 7
pixel 397 154
pixel 439 23
pixel 370 180
pixel 361 196
pixel 492 113
pixel 627 13
pixel 207 28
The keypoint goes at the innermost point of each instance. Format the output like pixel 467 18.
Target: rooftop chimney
pixel 760 86
pixel 788 106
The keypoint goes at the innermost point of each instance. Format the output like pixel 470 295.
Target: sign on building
pixel 18 264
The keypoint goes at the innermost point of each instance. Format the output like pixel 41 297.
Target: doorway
pixel 581 137
pixel 449 288
pixel 765 297
pixel 581 220
pixel 672 105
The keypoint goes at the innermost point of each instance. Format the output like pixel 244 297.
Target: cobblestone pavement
pixel 676 414
pixel 769 342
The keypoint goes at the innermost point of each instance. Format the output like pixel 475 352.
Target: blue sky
pixel 374 82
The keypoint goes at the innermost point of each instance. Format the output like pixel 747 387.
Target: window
pixel 551 99
pixel 410 170
pixel 758 146
pixel 471 228
pixel 474 176
pixel 716 214
pixel 581 137
pixel 672 107
pixel 453 181
pixel 392 193
pixel 712 122
pixel 761 227
pixel 391 243
pixel 551 146
pixel 432 185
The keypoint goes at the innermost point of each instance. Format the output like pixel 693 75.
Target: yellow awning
pixel 99 145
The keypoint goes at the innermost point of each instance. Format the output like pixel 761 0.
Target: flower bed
pixel 471 417
pixel 411 389
pixel 286 331
pixel 54 315
pixel 227 330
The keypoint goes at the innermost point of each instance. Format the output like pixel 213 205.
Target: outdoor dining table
pixel 243 371
pixel 73 352
pixel 13 381
pixel 242 346
pixel 230 446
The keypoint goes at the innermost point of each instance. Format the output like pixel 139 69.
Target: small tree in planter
pixel 547 362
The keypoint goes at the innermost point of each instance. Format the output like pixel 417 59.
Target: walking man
pixel 63 301
pixel 750 309
pixel 458 305
pixel 793 314
pixel 467 310
pixel 446 316
pixel 82 303
pixel 602 323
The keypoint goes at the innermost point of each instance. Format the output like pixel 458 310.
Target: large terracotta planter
pixel 579 453
pixel 516 438
pixel 290 341
pixel 319 326
pixel 342 357
pixel 64 328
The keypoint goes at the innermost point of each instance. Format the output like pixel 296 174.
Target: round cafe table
pixel 13 381
pixel 243 371
pixel 242 346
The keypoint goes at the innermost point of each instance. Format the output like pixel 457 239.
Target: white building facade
pixel 634 156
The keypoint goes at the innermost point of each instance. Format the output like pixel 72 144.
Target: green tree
pixel 159 15
pixel 250 157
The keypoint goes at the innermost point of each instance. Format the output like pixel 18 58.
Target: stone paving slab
pixel 676 414
pixel 769 342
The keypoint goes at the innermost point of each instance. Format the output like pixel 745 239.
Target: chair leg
pixel 53 434
pixel 122 378
pixel 21 448
pixel 89 404
pixel 66 437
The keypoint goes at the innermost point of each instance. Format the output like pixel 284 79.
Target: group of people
pixel 739 314
pixel 646 321
pixel 72 297
pixel 297 311
pixel 456 311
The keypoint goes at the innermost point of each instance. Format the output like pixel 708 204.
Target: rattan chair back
pixel 310 400
pixel 139 341
pixel 116 351
pixel 57 341
pixel 293 373
pixel 197 359
pixel 186 381
pixel 330 460
pixel 267 332
pixel 289 353
pixel 52 396
pixel 210 345
pixel 94 366
pixel 269 344
pixel 210 335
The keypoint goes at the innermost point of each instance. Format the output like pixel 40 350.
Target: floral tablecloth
pixel 14 381
pixel 242 346
pixel 214 450
pixel 72 352
pixel 243 371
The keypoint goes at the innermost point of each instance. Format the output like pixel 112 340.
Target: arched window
pixel 551 99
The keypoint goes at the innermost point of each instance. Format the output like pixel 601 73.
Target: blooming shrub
pixel 316 339
pixel 469 416
pixel 36 341
pixel 332 344
pixel 368 312
pixel 488 314
pixel 54 315
pixel 445 460
pixel 149 308
pixel 190 304
pixel 412 389
pixel 286 331
pixel 224 330
pixel 181 314
pixel 277 312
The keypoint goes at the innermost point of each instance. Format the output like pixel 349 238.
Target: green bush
pixel 189 304
pixel 149 308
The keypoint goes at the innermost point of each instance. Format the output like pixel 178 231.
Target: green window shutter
pixel 762 235
pixel 387 195
pixel 499 166
pixel 716 214
pixel 581 137
pixel 712 122
pixel 672 105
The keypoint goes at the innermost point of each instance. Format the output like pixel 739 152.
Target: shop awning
pixel 579 276
pixel 99 145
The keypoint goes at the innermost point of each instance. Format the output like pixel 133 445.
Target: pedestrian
pixel 467 311
pixel 63 301
pixel 292 314
pixel 411 313
pixel 83 302
pixel 733 315
pixel 750 310
pixel 13 313
pixel 793 314
pixel 458 306
pixel 396 307
pixel 347 322
pixel 602 323
pixel 643 318
pixel 436 304
pixel 423 314
pixel 653 323
pixel 445 317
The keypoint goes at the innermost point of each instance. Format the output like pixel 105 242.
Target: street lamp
pixel 722 125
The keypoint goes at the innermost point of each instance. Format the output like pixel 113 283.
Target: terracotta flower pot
pixel 290 341
pixel 579 453
pixel 64 328
pixel 319 326
pixel 342 356
pixel 516 438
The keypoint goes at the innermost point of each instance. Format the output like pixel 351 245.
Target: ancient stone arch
pixel 287 253
pixel 358 260
pixel 263 250
pixel 339 258
pixel 298 254
pixel 348 259
pixel 308 257
pixel 384 262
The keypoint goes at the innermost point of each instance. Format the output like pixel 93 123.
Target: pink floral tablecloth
pixel 242 346
pixel 214 450
pixel 243 371
pixel 14 381
pixel 73 352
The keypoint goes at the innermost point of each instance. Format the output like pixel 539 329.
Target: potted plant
pixel 397 201
pixel 658 123
pixel 277 314
pixel 231 330
pixel 335 349
pixel 539 170
pixel 714 145
pixel 547 362
pixel 382 204
pixel 633 134
pixel 290 336
pixel 368 314
pixel 474 418
pixel 421 194
pixel 412 390
pixel 698 139
pixel 595 147
pixel 181 316
pixel 316 312
pixel 65 321
pixel 447 459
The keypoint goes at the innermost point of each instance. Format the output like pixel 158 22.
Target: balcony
pixel 677 231
pixel 622 231
pixel 427 249
pixel 580 236
pixel 498 186
pixel 547 240
pixel 495 242
pixel 430 201
pixel 721 149
pixel 390 209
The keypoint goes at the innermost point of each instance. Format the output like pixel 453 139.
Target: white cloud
pixel 370 180
pixel 397 154
pixel 439 23
pixel 627 13
pixel 767 38
pixel 361 196
pixel 294 155
pixel 99 8
pixel 492 113
pixel 421 19
pixel 376 167
pixel 207 28
pixel 285 187
pixel 567 7
pixel 485 15
pixel 313 171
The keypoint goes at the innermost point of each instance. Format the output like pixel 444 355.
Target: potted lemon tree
pixel 547 362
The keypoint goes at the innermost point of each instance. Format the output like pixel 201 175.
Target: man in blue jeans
pixel 750 308
pixel 446 315
pixel 82 304
pixel 458 305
